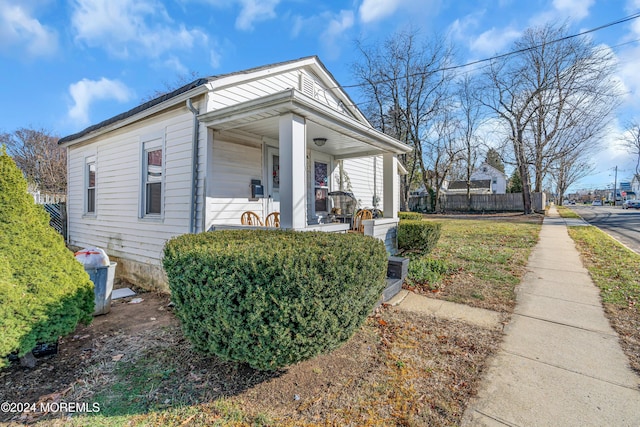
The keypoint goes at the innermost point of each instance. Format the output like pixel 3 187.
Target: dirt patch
pixel 58 375
pixel 399 369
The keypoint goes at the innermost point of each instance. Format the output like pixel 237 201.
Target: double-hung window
pixel 152 177
pixel 90 186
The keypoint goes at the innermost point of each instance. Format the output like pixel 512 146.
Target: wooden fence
pixel 479 203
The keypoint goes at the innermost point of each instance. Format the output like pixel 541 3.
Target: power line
pixel 507 54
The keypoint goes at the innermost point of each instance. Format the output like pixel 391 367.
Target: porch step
pixel 397 270
pixel 393 287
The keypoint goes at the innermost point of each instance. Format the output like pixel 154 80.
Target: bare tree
pixel 631 141
pixel 37 154
pixel 555 97
pixel 578 100
pixel 444 148
pixel 404 86
pixel 509 96
pixel 470 113
pixel 568 170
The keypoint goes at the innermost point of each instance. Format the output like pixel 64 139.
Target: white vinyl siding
pixel 232 166
pixel 117 228
pixel 302 80
pixel 255 89
pixel 366 179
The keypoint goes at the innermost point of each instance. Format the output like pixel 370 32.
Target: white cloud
pixel 19 28
pixel 86 91
pixel 574 9
pixel 332 35
pixel 299 23
pixel 251 11
pixel 462 27
pixel 175 64
pixel 131 27
pixel 629 64
pixel 375 10
pixel 214 58
pixel 338 25
pixel 255 11
pixel 493 41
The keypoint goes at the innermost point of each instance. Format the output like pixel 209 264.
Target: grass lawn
pixel 616 271
pixel 400 368
pixel 486 258
pixel 566 212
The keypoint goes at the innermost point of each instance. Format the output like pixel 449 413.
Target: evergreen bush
pixel 271 298
pixel 44 291
pixel 418 236
pixel 417 216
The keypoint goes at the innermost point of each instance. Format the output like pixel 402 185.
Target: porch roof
pixel 346 136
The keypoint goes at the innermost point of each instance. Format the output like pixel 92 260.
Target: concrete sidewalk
pixel 560 363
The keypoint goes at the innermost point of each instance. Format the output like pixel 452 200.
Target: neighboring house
pixel 195 159
pixel 487 172
pixel 625 190
pixel 477 186
pixel 635 185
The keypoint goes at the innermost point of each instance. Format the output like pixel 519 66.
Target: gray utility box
pixel 102 278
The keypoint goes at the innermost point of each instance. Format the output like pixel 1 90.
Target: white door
pixel 273 181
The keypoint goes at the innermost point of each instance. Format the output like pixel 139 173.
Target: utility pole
pixel 615 185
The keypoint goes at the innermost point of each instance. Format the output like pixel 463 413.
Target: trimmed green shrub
pixel 426 271
pixel 271 298
pixel 417 216
pixel 44 291
pixel 418 236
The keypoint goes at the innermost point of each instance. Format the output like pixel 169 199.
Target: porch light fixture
pixel 319 141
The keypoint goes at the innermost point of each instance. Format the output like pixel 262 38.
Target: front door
pixel 273 180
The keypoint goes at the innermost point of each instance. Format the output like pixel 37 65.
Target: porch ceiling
pixel 346 137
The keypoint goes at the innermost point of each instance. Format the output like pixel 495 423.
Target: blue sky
pixel 69 64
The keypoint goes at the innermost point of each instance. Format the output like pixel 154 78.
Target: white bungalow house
pixel 487 172
pixel 195 159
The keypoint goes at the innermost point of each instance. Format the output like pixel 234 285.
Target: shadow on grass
pixel 167 376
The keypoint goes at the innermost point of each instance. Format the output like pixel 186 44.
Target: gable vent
pixel 306 85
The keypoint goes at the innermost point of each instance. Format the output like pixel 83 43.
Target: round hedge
pixel 418 235
pixel 271 298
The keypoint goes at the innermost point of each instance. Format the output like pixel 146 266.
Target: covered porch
pixel 306 148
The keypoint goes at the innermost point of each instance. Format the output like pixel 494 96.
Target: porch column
pixel 293 161
pixel 390 185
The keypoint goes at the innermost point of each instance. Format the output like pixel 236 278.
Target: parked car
pixel 573 202
pixel 597 203
pixel 631 204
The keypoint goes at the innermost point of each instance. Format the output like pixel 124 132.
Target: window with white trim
pixel 152 178
pixel 90 186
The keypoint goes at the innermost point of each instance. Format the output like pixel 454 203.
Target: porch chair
pixel 358 226
pixel 272 220
pixel 250 218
